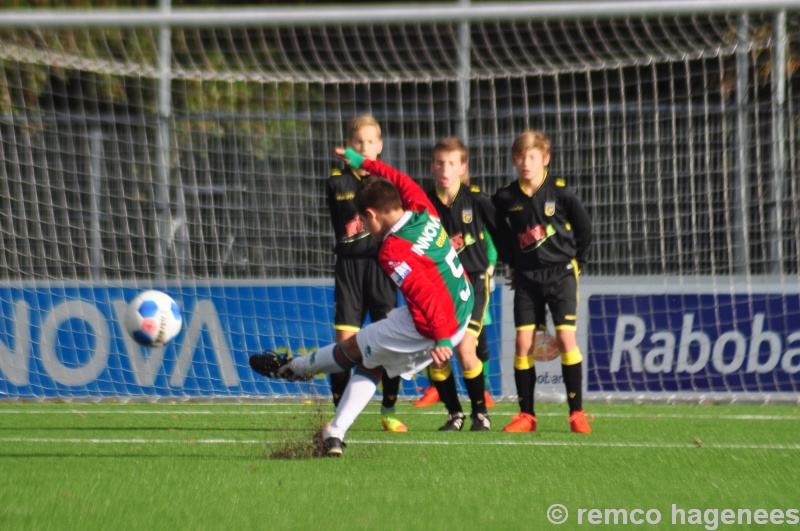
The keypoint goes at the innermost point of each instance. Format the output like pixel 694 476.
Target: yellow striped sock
pixel 441 374
pixel 524 363
pixel 572 357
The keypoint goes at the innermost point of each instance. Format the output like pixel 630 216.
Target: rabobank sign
pixel 694 341
pixel 68 340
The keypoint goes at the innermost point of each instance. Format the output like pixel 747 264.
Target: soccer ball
pixel 153 319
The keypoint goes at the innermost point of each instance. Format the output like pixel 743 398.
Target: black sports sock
pixel 391 386
pixel 339 381
pixel 475 388
pixel 448 394
pixel 573 381
pixel 526 382
pixel 482 348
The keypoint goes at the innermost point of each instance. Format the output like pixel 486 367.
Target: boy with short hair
pixel 550 234
pixel 464 212
pixel 359 284
pixel 416 253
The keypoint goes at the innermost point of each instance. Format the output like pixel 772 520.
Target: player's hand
pixel 350 157
pixel 441 354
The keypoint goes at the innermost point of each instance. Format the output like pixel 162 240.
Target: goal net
pixel 192 159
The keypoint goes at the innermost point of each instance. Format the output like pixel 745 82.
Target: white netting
pixel 667 128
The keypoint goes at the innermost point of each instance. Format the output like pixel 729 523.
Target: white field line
pixel 270 409
pixel 389 442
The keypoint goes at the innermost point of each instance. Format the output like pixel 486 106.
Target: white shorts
pixel 394 344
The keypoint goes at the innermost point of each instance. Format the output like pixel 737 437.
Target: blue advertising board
pixel 68 339
pixel 694 342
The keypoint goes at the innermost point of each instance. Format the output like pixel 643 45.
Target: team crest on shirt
pixel 549 208
pixel 399 272
pixel 466 215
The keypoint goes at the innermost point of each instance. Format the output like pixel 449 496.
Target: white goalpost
pixel 187 150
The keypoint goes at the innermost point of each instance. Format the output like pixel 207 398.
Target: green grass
pixel 208 466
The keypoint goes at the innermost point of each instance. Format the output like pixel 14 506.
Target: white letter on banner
pixel 688 336
pixel 145 371
pixel 631 346
pixel 791 354
pixel 14 365
pixel 666 351
pixel 756 338
pixel 204 314
pixel 75 310
pixel 740 346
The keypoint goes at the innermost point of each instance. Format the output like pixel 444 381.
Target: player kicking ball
pixel 416 253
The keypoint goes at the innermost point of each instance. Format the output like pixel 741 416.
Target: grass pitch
pixel 214 466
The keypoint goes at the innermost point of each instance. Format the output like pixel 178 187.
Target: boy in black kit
pixel 464 211
pixel 360 285
pixel 549 233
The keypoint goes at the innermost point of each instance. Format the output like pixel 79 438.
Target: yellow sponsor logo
pixel 441 239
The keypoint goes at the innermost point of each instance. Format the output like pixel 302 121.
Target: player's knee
pixel 350 346
pixel 524 342
pixel 473 372
pixel 467 357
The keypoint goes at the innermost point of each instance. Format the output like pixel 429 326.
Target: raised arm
pixel 413 196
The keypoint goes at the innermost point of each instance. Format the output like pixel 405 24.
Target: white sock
pixel 321 361
pixel 356 396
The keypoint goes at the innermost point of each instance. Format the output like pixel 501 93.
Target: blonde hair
pixel 449 145
pixel 530 139
pixel 363 120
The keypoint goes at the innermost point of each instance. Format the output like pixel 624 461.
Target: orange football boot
pixel 428 399
pixel 521 423
pixel 579 423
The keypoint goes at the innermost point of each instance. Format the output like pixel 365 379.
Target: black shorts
pixel 555 288
pixel 361 286
pixel 480 284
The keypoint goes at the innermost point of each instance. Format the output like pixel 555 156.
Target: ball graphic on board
pixel 153 319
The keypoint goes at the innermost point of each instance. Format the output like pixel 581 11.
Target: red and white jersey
pixel 418 256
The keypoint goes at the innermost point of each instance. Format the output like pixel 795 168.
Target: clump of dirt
pixel 305 447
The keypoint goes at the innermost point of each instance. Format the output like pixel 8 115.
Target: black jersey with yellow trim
pixel 464 220
pixel 352 239
pixel 547 229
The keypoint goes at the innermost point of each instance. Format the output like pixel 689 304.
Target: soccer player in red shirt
pixel 360 286
pixel 416 253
